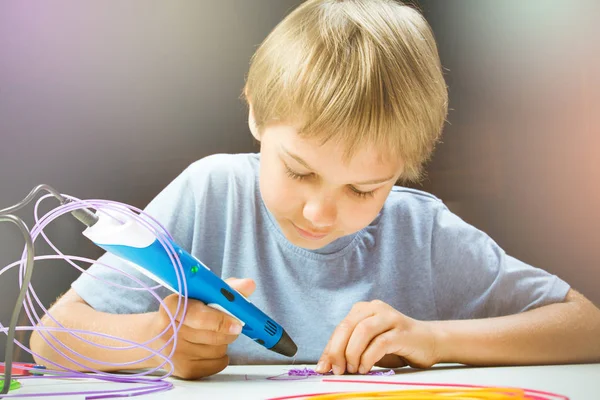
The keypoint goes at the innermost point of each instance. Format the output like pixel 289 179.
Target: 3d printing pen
pixel 135 243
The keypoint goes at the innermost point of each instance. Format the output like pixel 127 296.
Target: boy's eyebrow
pixel 305 164
pixel 295 157
pixel 375 181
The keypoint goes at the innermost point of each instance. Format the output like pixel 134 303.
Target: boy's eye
pixel 294 175
pixel 355 192
pixel 360 193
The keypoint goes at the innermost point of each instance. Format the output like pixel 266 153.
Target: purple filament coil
pixel 303 373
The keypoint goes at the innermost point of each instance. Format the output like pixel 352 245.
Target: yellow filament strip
pixel 431 394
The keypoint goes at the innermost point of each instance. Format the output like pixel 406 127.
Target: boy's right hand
pixel 202 338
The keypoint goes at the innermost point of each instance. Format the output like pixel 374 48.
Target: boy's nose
pixel 321 213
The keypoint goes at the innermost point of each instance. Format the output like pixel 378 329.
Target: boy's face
pixel 313 194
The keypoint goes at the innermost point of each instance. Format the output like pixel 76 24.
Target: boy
pixel 346 98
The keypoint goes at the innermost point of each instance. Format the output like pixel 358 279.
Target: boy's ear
pixel 252 123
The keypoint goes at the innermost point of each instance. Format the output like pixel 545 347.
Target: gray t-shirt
pixel 416 256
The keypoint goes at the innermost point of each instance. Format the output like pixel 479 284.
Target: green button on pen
pixel 194 269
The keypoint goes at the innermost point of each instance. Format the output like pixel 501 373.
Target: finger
pixel 339 339
pixel 202 317
pixel 201 336
pixel 324 365
pixel 172 301
pixel 193 351
pixel 196 369
pixel 385 343
pixel 364 332
pixel 391 361
pixel 245 286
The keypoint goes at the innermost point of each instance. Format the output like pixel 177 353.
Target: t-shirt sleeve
pixel 474 278
pixel 174 208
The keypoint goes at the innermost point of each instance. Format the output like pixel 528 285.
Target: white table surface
pixel 578 382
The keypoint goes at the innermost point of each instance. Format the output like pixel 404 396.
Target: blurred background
pixel 113 99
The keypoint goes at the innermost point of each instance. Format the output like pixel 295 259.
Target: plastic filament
pixel 433 394
pixel 429 391
pixel 139 383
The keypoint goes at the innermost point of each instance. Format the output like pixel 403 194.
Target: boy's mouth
pixel 309 234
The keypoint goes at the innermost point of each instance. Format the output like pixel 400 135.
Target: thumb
pixel 244 286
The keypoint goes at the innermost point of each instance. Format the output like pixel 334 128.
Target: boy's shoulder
pixel 412 206
pixel 403 196
pixel 223 163
pixel 218 175
pixel 221 169
pixel 415 194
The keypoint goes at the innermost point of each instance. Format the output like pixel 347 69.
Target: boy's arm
pixel 202 339
pixel 566 332
pixel 74 313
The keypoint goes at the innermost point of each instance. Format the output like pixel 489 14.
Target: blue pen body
pixel 202 283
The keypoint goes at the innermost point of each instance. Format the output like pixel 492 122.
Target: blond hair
pixel 359 72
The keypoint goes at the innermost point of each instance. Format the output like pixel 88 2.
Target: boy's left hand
pixel 375 333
